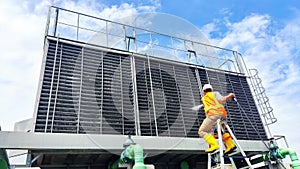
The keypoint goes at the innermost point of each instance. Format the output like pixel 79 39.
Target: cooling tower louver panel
pixel 115 80
pixel 165 96
pixel 56 108
pixel 88 90
pixel 85 91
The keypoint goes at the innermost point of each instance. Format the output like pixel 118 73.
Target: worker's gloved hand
pixel 195 108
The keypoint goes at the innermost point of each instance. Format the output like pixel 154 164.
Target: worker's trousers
pixel 208 124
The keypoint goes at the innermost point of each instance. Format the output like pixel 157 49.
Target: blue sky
pixel 265 32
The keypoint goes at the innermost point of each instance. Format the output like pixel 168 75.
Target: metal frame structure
pixel 119 36
pixel 88 89
pixel 93 93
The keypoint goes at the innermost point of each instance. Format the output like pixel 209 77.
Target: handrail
pixel 139 28
pixel 203 51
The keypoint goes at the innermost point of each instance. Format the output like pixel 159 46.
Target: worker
pixel 214 110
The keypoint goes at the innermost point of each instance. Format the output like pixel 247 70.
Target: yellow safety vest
pixel 212 106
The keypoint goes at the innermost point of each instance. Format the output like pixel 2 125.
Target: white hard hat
pixel 207 86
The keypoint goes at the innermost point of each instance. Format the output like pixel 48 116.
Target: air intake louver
pixel 87 90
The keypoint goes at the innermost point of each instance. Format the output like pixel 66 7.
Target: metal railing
pixel 88 29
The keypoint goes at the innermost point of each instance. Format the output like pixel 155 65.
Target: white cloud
pixel 225 12
pixel 272 53
pixel 208 28
pixel 20 61
pixel 250 31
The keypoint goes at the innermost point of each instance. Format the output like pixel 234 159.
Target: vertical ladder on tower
pixel 219 156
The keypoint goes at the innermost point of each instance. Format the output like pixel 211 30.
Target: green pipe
pixel 138 157
pixel 3 164
pixel 282 152
pixel 135 152
pixel 260 159
pixel 184 165
pixel 114 165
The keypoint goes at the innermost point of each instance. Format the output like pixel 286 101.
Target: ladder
pixel 219 154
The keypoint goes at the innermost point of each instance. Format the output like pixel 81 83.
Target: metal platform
pixel 55 150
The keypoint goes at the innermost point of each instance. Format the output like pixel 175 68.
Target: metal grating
pixel 87 90
pixel 165 104
pixel 56 109
pixel 82 92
